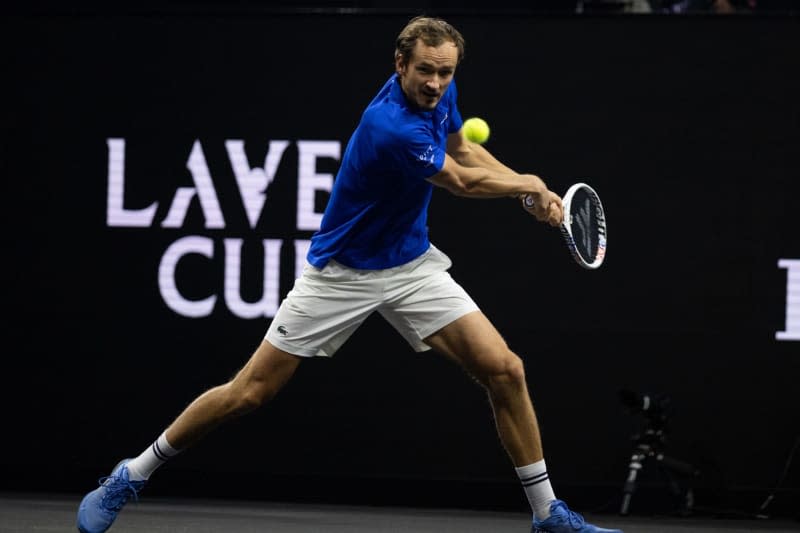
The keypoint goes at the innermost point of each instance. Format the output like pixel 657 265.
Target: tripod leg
pixel 630 483
pixel 671 468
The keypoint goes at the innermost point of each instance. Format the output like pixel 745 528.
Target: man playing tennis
pixel 372 253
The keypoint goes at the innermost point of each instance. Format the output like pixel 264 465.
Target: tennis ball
pixel 476 130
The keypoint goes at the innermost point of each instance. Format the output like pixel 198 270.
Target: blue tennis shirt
pixel 377 214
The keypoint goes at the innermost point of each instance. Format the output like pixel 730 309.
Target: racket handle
pixel 528 201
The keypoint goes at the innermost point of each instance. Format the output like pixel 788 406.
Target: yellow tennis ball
pixel 476 130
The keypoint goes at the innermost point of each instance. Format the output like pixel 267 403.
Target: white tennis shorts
pixel 327 305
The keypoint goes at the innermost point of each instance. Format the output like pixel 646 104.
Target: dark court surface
pixel 56 513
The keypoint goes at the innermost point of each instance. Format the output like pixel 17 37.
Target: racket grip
pixel 528 202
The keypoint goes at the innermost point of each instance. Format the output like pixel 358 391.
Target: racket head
pixel 584 226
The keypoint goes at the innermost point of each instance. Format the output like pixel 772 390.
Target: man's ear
pixel 399 64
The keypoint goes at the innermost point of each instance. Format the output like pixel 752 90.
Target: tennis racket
pixel 584 225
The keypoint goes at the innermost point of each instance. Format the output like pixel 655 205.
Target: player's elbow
pixel 471 188
pixel 459 184
pixel 459 188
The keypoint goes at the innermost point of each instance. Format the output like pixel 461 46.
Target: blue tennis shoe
pixel 562 520
pixel 100 508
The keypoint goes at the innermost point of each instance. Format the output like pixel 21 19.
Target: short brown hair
pixel 432 31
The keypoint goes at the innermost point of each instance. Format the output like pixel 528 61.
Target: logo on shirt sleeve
pixel 427 156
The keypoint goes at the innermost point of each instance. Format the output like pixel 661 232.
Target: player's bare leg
pixel 257 382
pixel 476 345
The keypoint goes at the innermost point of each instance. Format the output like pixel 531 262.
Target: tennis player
pixel 372 254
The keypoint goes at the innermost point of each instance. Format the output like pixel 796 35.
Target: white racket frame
pixel 602 230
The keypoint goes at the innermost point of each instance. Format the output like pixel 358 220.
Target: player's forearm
pixel 489 183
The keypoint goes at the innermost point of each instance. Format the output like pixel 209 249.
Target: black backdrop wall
pixel 145 254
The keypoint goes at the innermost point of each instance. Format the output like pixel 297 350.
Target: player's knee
pixel 250 400
pixel 250 389
pixel 249 396
pixel 507 371
pixel 513 369
pixel 260 392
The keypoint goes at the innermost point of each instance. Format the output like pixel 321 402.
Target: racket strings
pixel 583 220
pixel 584 227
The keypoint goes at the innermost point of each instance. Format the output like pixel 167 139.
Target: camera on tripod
pixel 654 407
pixel 649 446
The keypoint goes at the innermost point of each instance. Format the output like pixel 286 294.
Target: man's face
pixel 427 74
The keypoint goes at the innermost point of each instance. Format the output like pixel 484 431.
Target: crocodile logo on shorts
pixel 282 331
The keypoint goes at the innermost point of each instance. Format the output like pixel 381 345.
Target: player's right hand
pixel 546 207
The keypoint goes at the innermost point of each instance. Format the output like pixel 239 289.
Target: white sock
pixel 537 487
pixel 154 456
